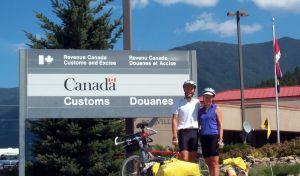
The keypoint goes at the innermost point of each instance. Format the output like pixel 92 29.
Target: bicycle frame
pixel 176 154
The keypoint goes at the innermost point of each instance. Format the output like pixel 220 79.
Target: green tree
pixel 288 79
pixel 80 27
pixel 74 147
pixel 296 74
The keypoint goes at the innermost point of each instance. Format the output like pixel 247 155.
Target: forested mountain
pixel 218 64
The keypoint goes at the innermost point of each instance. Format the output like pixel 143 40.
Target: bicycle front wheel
pixel 132 166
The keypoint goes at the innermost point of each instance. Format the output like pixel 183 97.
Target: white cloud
pixel 250 29
pixel 206 22
pixel 199 3
pixel 139 3
pixel 279 5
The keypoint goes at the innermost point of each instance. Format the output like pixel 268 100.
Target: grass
pixel 278 170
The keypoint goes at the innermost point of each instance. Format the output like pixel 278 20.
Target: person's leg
pixel 210 166
pixel 206 152
pixel 193 145
pixel 211 154
pixel 183 144
pixel 215 156
pixel 193 156
pixel 215 165
pixel 184 155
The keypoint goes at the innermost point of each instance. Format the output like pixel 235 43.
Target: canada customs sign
pixel 103 84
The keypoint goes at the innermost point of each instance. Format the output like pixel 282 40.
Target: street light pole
pixel 127 42
pixel 127 45
pixel 238 14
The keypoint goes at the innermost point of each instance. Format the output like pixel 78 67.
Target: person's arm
pixel 198 115
pixel 220 123
pixel 199 119
pixel 174 129
pixel 199 125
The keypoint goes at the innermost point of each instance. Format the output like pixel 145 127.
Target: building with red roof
pixel 260 103
pixel 260 94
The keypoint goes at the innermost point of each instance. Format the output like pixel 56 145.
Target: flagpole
pixel 275 78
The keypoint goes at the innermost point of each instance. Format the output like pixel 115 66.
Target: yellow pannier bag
pixel 155 168
pixel 238 162
pixel 176 167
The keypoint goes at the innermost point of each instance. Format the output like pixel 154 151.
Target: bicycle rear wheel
pixel 131 166
pixel 203 168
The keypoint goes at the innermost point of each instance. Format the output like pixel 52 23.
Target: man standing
pixel 185 123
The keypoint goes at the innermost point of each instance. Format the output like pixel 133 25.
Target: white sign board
pixel 103 84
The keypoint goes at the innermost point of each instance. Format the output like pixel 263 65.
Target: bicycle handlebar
pixel 153 131
pixel 135 137
pixel 125 141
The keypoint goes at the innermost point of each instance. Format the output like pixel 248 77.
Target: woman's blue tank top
pixel 209 124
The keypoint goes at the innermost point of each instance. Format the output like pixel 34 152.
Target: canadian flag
pixel 277 65
pixel 278 71
pixel 276 50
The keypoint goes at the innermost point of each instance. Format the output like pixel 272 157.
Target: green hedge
pixel 286 148
pixel 12 171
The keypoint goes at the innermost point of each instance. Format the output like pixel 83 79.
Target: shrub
pixel 290 147
pixel 270 150
pixel 235 150
pixel 256 153
pixel 238 146
pixel 158 147
pixel 13 171
pixel 286 148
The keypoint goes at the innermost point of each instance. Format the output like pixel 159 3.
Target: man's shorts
pixel 188 139
pixel 209 144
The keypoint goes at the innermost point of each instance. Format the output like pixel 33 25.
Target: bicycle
pixel 141 165
pixel 137 165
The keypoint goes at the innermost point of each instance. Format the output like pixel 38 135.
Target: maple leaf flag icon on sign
pixel 48 59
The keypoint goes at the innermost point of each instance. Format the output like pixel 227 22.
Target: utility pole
pixel 127 45
pixel 238 14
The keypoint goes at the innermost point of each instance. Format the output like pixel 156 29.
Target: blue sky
pixel 157 24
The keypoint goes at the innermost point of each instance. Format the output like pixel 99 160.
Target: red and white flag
pixel 277 65
pixel 276 50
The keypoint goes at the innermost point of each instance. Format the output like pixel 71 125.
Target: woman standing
pixel 210 123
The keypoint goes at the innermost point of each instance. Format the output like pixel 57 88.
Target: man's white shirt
pixel 187 113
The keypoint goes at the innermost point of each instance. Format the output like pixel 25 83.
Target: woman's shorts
pixel 188 139
pixel 209 144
